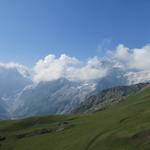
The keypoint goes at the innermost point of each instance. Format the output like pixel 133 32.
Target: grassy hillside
pixel 124 126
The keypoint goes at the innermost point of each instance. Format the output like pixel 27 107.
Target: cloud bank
pixel 138 58
pixel 134 62
pixel 52 68
pixel 20 68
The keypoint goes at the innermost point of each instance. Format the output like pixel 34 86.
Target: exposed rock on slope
pixel 108 97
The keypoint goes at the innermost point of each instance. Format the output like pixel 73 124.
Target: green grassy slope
pixel 124 126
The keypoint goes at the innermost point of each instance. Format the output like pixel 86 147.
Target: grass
pixel 123 126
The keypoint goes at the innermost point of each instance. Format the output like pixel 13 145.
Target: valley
pixel 125 125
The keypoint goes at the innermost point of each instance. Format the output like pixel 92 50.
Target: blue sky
pixel 31 29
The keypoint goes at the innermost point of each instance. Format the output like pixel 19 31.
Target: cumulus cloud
pixel 52 68
pixel 20 68
pixel 140 58
pixel 137 58
pixel 134 62
pixel 91 70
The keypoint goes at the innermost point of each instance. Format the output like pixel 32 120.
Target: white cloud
pixel 105 45
pixel 137 77
pixel 52 68
pixel 92 69
pixel 20 68
pixel 122 53
pixel 135 63
pixel 138 58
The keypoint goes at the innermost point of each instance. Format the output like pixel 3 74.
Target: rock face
pixel 108 97
pixel 55 97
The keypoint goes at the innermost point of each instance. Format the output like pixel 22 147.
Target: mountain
pixel 123 126
pixel 115 77
pixel 11 82
pixel 4 114
pixel 107 97
pixel 62 96
pixel 20 97
pixel 54 97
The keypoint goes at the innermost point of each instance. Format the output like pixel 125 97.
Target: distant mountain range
pixel 61 96
pixel 55 97
pixel 20 97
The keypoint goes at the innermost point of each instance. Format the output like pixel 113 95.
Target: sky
pixel 33 29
